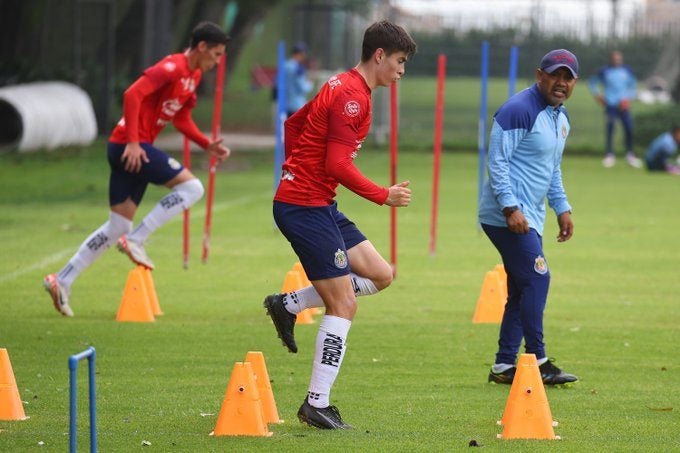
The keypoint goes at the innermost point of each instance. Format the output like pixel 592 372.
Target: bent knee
pixel 384 278
pixel 344 308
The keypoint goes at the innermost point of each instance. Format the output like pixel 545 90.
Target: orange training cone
pixel 11 407
pixel 297 267
pixel 151 291
pixel 256 359
pixel 135 305
pixel 241 413
pixel 305 282
pixel 491 304
pixel 293 282
pixel 527 412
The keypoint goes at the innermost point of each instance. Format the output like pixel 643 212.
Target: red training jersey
pixel 166 92
pixel 322 139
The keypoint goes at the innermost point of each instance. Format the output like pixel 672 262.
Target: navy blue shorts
pixel 160 169
pixel 320 237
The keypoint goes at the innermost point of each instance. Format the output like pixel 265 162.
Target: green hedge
pixel 648 125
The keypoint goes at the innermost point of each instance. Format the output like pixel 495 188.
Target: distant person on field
pixel 322 140
pixel 298 84
pixel 526 144
pixel 614 87
pixel 165 93
pixel 660 152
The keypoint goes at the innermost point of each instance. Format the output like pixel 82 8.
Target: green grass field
pixel 414 378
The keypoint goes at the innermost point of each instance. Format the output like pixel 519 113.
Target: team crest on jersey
pixel 174 164
pixel 340 259
pixel 169 66
pixel 540 266
pixel 564 131
pixel 188 84
pixel 352 108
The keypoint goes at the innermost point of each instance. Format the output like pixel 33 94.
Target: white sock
pixel 301 299
pixel 500 367
pixel 182 197
pixel 542 361
pixel 330 350
pixel 362 286
pixel 308 297
pixel 92 248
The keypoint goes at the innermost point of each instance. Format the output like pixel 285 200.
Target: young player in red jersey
pixel 322 139
pixel 165 93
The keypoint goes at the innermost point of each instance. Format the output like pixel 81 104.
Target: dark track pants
pixel 528 283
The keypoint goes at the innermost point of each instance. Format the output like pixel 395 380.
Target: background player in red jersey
pixel 322 139
pixel 165 93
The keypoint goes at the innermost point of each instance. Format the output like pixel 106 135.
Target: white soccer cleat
pixel 609 161
pixel 633 160
pixel 59 294
pixel 136 252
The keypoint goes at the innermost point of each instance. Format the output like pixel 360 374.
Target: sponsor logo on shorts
pixel 172 162
pixel 340 259
pixel 352 109
pixel 332 350
pixel 540 266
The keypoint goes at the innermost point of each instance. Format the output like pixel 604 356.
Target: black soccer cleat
pixel 284 321
pixel 552 375
pixel 325 418
pixel 504 377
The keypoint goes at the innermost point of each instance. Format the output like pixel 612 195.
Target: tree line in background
pixel 102 45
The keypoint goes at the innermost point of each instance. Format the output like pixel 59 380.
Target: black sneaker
pixel 284 321
pixel 504 377
pixel 326 418
pixel 552 375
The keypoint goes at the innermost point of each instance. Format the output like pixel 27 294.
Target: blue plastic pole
pixel 481 137
pixel 281 113
pixel 512 72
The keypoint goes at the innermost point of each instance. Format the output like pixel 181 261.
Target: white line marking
pixel 62 253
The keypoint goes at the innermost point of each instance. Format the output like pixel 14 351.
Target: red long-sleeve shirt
pixel 321 141
pixel 166 92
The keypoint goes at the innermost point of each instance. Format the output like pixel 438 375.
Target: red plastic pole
pixel 438 117
pixel 185 242
pixel 217 117
pixel 394 146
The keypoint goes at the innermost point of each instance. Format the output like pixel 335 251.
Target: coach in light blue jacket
pixel 525 152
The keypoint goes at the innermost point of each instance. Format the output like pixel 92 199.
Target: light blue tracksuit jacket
pixel 525 152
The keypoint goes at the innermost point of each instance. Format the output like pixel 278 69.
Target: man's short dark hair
pixel 209 32
pixel 389 37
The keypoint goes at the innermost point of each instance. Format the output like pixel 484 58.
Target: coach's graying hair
pixel 209 32
pixel 389 37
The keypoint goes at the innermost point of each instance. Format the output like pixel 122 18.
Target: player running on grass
pixel 322 140
pixel 166 92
